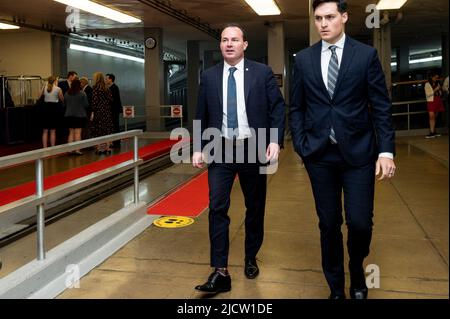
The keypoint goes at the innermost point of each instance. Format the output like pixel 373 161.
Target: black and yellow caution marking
pixel 173 221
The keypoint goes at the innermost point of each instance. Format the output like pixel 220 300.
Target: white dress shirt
pixel 325 61
pixel 244 128
pixel 326 56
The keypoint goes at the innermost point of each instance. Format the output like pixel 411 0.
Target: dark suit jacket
pixel 88 91
pixel 64 86
pixel 117 103
pixel 264 103
pixel 362 132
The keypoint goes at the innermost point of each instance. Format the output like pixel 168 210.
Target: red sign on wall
pixel 176 111
pixel 128 112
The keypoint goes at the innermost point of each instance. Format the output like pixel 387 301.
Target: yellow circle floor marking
pixel 173 221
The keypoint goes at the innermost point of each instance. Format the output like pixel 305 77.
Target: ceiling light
pixel 105 52
pixel 264 7
pixel 390 4
pixel 98 9
pixel 5 26
pixel 423 60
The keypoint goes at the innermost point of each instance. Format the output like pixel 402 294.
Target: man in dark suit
pixel 117 104
pixel 341 125
pixel 236 98
pixel 65 85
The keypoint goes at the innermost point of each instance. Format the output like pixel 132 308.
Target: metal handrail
pixel 39 155
pixel 21 158
pixel 409 102
pixel 408 112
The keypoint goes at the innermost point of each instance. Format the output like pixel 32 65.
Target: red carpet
pixel 12 194
pixel 189 200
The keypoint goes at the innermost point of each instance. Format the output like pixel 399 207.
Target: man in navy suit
pixel 237 98
pixel 341 124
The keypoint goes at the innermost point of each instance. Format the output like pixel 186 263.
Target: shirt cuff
pixel 387 155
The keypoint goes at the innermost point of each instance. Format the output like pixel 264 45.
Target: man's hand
pixel 272 152
pixel 198 159
pixel 384 167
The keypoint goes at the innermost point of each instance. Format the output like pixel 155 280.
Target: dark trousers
pixel 330 175
pixel 253 184
pixel 116 126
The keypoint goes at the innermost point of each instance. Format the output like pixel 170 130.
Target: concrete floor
pixel 410 240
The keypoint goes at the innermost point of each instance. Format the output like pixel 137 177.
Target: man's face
pixel 72 77
pixel 108 81
pixel 329 21
pixel 232 45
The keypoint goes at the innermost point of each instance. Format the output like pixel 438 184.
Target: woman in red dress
pixel 433 92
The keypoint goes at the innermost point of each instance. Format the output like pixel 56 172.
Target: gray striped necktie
pixel 333 71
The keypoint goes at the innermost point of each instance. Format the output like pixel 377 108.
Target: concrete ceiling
pixel 421 20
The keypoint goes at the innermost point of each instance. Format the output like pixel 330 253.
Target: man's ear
pixel 245 45
pixel 345 17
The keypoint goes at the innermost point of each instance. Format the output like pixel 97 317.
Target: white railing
pixel 42 196
pixel 408 112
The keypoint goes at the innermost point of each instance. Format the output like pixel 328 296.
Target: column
pixel 192 65
pixel 208 59
pixel 276 53
pixel 59 55
pixel 154 80
pixel 313 34
pixel 382 42
pixel 403 60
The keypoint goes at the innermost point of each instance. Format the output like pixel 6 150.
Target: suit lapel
pixel 316 57
pixel 219 82
pixel 247 80
pixel 347 57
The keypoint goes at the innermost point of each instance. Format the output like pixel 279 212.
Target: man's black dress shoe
pixel 216 283
pixel 336 297
pixel 251 269
pixel 358 293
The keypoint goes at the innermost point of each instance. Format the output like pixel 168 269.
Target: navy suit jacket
pixel 264 103
pixel 359 111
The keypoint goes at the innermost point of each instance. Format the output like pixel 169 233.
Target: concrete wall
pixel 129 74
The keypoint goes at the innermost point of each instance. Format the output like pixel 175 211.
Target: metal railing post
pixel 136 170
pixel 40 218
pixel 409 118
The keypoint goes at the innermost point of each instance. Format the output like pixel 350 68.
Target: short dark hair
pixel 111 76
pixel 71 73
pixel 236 25
pixel 341 4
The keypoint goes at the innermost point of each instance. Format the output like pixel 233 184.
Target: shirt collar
pixel 239 66
pixel 339 44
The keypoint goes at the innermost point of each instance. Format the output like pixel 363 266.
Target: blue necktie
pixel 333 71
pixel 232 119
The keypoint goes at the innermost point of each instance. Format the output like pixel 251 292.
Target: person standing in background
pixel 65 85
pixel 53 96
pixel 433 93
pixel 101 116
pixel 76 103
pixel 117 104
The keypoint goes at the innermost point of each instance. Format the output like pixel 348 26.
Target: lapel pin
pixel 246 69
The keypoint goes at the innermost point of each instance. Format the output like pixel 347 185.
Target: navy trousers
pixel 253 184
pixel 330 175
